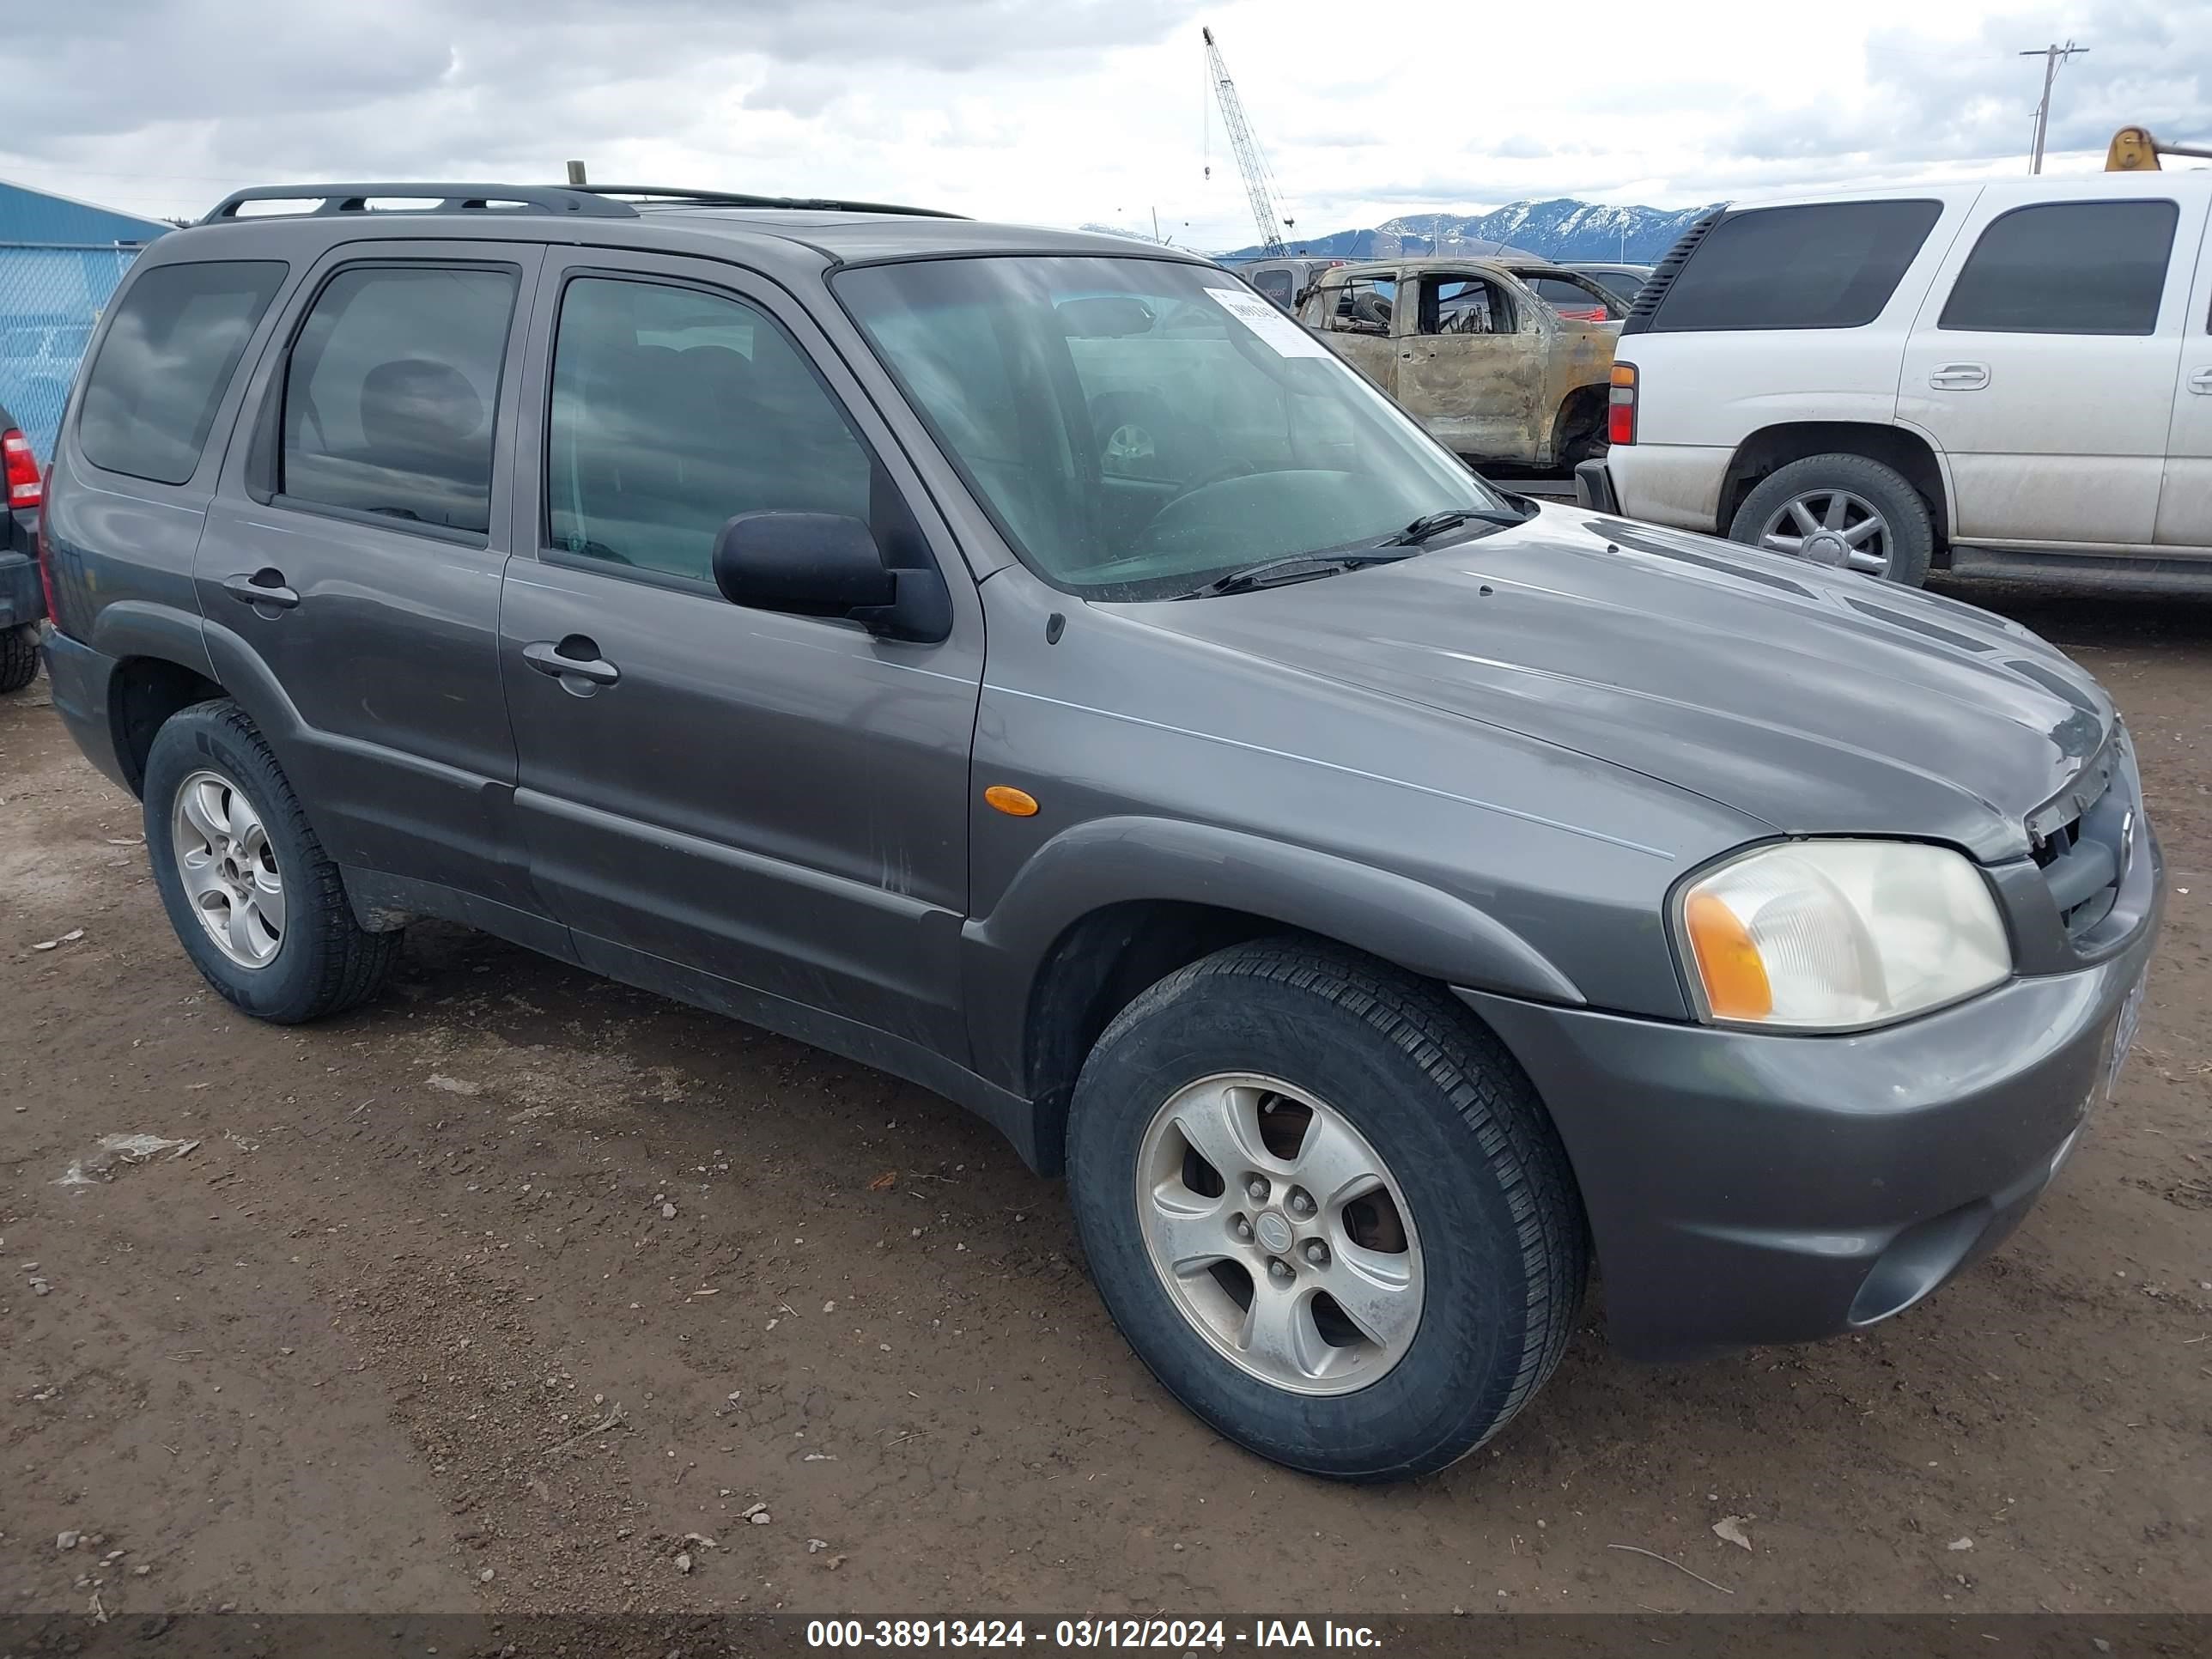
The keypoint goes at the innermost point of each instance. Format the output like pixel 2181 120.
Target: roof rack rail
pixel 677 195
pixel 436 198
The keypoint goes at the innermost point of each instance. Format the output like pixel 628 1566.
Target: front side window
pixel 1362 306
pixel 168 358
pixel 392 391
pixel 675 409
pixel 1828 264
pixel 2066 267
pixel 1136 425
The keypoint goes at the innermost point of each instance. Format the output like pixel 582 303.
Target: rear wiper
pixel 1430 525
pixel 1277 572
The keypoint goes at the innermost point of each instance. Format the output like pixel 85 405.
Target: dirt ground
pixel 490 1297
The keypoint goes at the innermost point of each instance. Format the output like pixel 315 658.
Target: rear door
pixel 766 812
pixel 2185 501
pixel 2042 363
pixel 349 571
pixel 1470 367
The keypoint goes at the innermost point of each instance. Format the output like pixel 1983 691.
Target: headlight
pixel 1828 935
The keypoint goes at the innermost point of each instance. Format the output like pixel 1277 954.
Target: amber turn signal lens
pixel 1727 961
pixel 1014 803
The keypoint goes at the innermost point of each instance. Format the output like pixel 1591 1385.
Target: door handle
pixel 574 658
pixel 2200 381
pixel 1960 377
pixel 263 587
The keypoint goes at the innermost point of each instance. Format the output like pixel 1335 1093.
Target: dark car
pixel 22 602
pixel 1624 281
pixel 1377 893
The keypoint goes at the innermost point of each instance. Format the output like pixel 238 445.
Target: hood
pixel 1821 701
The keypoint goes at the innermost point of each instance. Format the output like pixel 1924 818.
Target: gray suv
pixel 1379 894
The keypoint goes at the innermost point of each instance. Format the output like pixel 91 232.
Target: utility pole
pixel 2052 57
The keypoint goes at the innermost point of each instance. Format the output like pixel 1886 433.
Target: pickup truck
pixel 1478 353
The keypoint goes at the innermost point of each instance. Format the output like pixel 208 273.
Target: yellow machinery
pixel 2134 151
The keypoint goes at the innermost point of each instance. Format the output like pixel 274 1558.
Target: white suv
pixel 2003 379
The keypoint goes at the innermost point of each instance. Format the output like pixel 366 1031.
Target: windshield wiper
pixel 1431 524
pixel 1277 572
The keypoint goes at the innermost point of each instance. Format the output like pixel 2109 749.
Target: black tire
pixel 1504 1250
pixel 1910 528
pixel 1584 440
pixel 19 659
pixel 325 961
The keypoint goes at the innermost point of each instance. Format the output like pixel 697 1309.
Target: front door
pixel 1471 366
pixel 2185 501
pixel 1357 314
pixel 712 795
pixel 2042 362
pixel 349 568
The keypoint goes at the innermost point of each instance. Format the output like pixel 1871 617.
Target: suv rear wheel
pixel 1843 510
pixel 1326 1209
pixel 257 905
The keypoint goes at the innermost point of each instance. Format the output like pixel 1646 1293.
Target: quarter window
pixel 2067 268
pixel 168 358
pixel 675 409
pixel 1832 265
pixel 392 391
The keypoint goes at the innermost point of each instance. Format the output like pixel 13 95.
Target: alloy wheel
pixel 1280 1233
pixel 228 868
pixel 1830 526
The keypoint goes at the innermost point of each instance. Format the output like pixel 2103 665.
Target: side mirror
pixel 825 564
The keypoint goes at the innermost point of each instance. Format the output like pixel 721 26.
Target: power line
pixel 2052 55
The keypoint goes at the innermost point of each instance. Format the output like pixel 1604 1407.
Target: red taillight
pixel 25 487
pixel 1620 407
pixel 45 553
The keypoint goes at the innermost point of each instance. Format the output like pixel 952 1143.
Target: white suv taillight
pixel 1620 406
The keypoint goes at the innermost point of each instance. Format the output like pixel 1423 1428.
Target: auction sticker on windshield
pixel 1282 334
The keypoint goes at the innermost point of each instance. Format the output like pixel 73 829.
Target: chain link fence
pixel 51 295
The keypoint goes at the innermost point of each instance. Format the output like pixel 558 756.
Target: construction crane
pixel 1250 162
pixel 2134 151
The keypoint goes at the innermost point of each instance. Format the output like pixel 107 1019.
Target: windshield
pixel 1138 426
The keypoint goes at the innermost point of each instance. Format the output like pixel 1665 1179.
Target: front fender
pixel 1118 860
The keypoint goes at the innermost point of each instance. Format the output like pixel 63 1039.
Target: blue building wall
pixel 33 216
pixel 60 260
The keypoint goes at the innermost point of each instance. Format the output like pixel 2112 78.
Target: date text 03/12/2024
pixel 1169 1635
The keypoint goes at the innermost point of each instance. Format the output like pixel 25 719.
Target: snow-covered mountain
pixel 1560 229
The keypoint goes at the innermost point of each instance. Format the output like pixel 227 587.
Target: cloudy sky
pixel 1067 111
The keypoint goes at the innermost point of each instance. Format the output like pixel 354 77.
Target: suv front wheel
pixel 257 906
pixel 1326 1209
pixel 1843 510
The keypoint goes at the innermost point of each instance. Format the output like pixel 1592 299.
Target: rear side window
pixel 2066 267
pixel 1832 265
pixel 390 396
pixel 1275 284
pixel 168 359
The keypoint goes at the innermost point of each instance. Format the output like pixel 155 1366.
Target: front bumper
pixel 1745 1188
